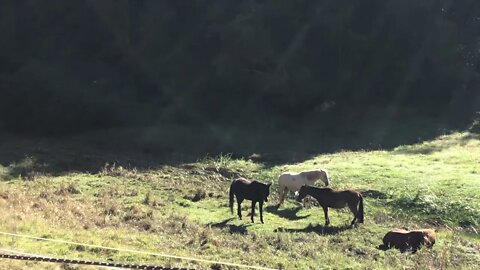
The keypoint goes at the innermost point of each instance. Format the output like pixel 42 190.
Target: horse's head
pixel 302 193
pixel 323 174
pixel 428 237
pixel 313 175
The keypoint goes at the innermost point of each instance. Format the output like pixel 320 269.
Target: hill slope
pixel 183 210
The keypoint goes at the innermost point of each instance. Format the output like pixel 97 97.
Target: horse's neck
pixel 315 192
pixel 256 184
pixel 311 182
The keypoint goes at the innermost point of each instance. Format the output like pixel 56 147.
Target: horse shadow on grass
pixel 319 229
pixel 375 194
pixel 288 213
pixel 232 228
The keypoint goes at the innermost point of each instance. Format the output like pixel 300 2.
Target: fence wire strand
pixel 138 252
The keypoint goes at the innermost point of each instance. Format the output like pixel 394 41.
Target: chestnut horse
pixel 328 197
pixel 255 191
pixel 402 239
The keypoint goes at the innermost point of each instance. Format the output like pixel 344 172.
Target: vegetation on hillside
pixel 183 210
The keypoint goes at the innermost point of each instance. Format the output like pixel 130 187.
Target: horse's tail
pixel 360 209
pixel 231 198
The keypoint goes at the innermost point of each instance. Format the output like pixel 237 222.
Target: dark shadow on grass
pixel 319 229
pixel 240 229
pixel 176 145
pixel 384 247
pixel 288 213
pixel 375 194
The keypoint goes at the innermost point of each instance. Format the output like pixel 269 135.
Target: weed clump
pixel 116 170
pixel 475 127
pixel 198 195
pixel 66 189
pixel 27 169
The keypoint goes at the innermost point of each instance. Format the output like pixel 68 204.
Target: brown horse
pixel 328 197
pixel 402 239
pixel 250 190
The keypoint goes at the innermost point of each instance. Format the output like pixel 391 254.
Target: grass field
pixel 182 209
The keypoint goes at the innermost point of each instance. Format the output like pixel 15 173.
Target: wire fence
pixel 88 262
pixel 112 264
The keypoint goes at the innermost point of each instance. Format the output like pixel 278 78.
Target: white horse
pixel 290 181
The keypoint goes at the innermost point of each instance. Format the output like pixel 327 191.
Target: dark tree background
pixel 72 66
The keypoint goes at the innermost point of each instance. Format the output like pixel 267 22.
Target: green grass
pixel 183 210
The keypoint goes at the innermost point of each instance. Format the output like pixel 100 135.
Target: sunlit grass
pixel 183 210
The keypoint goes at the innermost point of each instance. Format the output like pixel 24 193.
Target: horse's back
pixel 428 236
pixel 249 189
pixel 289 174
pixel 293 181
pixel 347 191
pixel 239 185
pixel 396 238
pixel 257 184
pixel 349 195
pixel 335 198
pixel 241 182
pixel 426 231
pixel 285 177
pixel 305 173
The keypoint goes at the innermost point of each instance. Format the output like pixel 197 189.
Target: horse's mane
pixel 320 188
pixel 255 182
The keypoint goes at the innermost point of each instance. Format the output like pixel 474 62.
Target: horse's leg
pixel 327 220
pixel 253 209
pixel 239 210
pixel 283 192
pixel 306 203
pixel 260 205
pixel 353 208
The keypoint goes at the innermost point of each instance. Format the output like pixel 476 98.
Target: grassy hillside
pixel 183 210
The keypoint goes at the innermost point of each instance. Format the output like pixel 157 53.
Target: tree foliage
pixel 67 66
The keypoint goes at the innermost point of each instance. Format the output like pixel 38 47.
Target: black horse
pixel 251 190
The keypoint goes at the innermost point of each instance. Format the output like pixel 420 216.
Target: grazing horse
pixel 328 197
pixel 250 190
pixel 402 239
pixel 290 181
